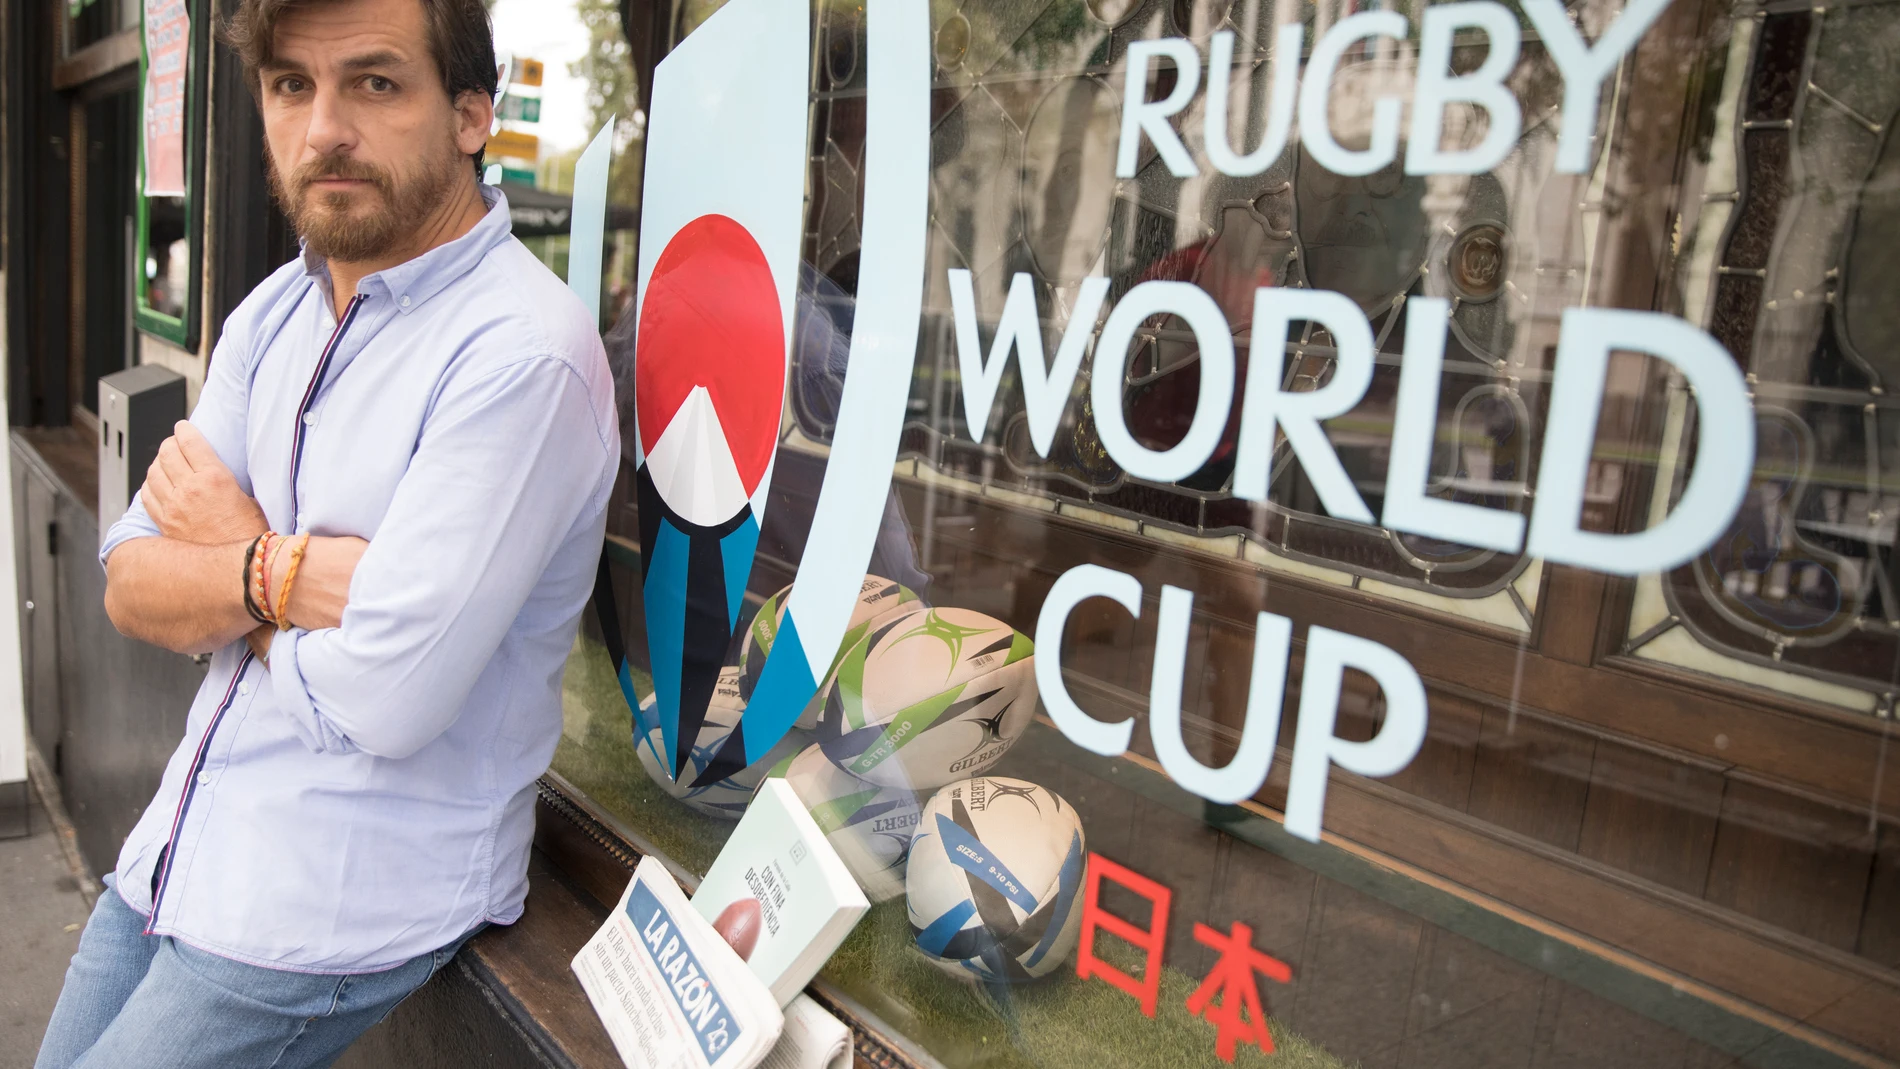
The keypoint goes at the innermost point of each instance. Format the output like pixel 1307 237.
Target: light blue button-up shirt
pixel 370 795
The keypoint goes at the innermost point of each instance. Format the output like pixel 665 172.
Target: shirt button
pixel 244 688
pixel 405 300
pixel 204 779
pixel 310 419
pixel 300 521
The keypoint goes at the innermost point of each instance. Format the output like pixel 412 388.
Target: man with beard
pixel 383 519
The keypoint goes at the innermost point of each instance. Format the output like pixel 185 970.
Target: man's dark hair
pixel 461 40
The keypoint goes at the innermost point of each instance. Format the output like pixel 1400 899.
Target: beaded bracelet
pixel 250 600
pixel 260 577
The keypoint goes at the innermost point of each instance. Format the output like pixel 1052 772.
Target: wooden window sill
pixel 579 869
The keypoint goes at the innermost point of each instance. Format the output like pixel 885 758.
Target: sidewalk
pixel 44 910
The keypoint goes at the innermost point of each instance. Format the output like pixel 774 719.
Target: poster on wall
pixel 167 37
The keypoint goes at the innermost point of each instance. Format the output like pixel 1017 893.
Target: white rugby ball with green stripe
pixel 928 697
pixel 877 598
pixel 870 826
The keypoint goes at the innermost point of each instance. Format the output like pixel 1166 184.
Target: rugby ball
pixel 994 881
pixel 877 597
pixel 739 924
pixel 927 697
pixel 870 826
pixel 727 798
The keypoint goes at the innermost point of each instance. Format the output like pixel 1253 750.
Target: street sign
pixel 528 72
pixel 521 108
pixel 514 143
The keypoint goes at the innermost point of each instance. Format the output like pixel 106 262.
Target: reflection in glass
pixel 165 274
pixel 1575 809
pixel 1802 296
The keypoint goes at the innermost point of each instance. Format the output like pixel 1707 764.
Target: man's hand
pixel 322 589
pixel 193 497
pixel 259 640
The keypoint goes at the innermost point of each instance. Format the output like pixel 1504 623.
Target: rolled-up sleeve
pixel 136 523
pixel 507 466
pixel 221 416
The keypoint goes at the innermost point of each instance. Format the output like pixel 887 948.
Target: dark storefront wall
pixel 106 711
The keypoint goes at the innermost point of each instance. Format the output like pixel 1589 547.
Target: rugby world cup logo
pixel 716 293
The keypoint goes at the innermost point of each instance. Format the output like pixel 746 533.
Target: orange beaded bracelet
pixel 260 572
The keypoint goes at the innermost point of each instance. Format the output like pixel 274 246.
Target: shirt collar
pixel 413 282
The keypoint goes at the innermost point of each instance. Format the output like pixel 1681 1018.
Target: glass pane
pixel 1800 583
pixel 167 267
pixel 91 21
pixel 1155 591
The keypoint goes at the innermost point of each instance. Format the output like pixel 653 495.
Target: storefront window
pixel 167 257
pixel 1649 822
pixel 88 22
pixel 171 153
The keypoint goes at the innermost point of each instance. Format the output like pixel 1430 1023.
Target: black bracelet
pixel 250 603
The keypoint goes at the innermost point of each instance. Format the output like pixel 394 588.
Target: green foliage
pixel 612 91
pixel 596 754
pixel 1055 32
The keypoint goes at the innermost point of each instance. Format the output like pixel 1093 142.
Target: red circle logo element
pixel 711 318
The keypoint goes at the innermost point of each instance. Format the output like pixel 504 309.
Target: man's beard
pixel 356 227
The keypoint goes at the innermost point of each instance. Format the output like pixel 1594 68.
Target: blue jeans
pixel 153 1002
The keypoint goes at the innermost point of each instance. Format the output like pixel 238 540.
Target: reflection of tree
pixel 607 68
pixel 613 92
pixel 1055 34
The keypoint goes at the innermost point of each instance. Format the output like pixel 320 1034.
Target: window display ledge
pixel 524 969
pixel 527 964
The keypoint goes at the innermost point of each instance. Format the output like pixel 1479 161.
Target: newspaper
pixel 813 1039
pixel 672 994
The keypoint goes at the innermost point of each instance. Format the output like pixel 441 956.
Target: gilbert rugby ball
pixel 927 697
pixel 870 826
pixel 726 799
pixel 995 877
pixel 876 598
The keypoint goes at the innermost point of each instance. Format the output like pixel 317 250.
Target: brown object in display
pixel 738 924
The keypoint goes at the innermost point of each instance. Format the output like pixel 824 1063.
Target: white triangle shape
pixel 692 465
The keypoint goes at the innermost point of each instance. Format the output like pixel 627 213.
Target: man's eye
pixel 290 85
pixel 379 84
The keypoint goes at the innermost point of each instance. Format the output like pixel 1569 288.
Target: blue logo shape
pixel 703 156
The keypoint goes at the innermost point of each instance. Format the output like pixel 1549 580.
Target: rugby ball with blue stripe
pixel 725 799
pixel 870 826
pixel 928 697
pixel 995 879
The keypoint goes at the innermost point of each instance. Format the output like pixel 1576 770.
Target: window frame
pixel 183 331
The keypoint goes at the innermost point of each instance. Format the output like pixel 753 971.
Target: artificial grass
pixel 1057 1022
pixel 596 754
